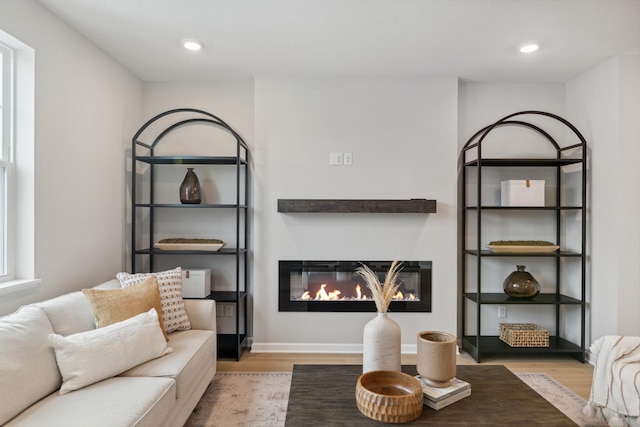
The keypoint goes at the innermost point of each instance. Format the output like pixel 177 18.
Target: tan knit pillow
pixel 115 305
pixel 174 314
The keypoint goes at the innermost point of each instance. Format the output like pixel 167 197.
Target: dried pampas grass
pixel 382 293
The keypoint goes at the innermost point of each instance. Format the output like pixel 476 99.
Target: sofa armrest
pixel 201 313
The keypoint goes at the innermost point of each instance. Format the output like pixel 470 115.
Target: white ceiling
pixel 472 39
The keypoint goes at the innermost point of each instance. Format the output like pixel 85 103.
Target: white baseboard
pixel 338 349
pixel 335 348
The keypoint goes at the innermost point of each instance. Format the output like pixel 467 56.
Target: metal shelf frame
pixel 229 345
pixel 471 161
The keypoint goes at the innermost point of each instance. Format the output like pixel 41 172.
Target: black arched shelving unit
pixel 145 218
pixel 479 176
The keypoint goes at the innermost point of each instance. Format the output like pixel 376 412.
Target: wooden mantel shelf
pixel 356 206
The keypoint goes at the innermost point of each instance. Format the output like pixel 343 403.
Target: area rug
pixel 243 399
pixel 259 399
pixel 568 402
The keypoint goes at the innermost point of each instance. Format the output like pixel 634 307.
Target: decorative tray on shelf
pixel 189 244
pixel 523 246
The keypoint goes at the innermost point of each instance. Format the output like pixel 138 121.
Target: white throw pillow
pixel 174 314
pixel 28 370
pixel 92 356
pixel 69 313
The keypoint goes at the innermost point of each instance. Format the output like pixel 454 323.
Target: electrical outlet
pixel 228 310
pixel 347 159
pixel 335 159
pixel 502 311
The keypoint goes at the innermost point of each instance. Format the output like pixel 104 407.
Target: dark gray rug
pixel 324 395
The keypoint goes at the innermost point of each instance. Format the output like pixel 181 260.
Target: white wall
pixel 605 103
pixel 401 132
pixel 86 110
pixel 481 104
pixel 231 100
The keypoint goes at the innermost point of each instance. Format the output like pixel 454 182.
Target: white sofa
pixel 614 393
pixel 160 392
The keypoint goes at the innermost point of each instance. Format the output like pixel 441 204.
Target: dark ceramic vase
pixel 190 188
pixel 521 284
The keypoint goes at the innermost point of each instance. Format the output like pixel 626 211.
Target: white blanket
pixel 616 377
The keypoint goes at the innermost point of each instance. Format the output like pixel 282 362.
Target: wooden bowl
pixel 389 396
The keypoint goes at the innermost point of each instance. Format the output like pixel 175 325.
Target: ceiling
pixel 476 40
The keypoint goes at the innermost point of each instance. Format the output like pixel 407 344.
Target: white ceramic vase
pixel 381 344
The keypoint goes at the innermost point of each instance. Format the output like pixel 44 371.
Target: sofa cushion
pixel 115 402
pixel 170 282
pixel 91 356
pixel 193 352
pixel 109 284
pixel 202 313
pixel 28 369
pixel 114 305
pixel 69 313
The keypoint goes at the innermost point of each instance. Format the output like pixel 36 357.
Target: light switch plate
pixel 335 159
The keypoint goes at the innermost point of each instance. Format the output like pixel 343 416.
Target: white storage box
pixel 522 192
pixel 196 283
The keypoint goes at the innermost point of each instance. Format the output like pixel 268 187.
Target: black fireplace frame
pixel 285 304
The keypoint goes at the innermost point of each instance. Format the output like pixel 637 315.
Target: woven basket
pixel 524 335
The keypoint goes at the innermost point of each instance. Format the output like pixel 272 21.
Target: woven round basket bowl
pixel 389 396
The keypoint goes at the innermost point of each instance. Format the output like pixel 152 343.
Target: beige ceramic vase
pixel 436 358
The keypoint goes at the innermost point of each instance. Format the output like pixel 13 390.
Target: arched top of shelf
pixel 476 140
pixel 200 117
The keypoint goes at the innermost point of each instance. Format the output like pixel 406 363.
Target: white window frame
pixel 7 222
pixel 19 211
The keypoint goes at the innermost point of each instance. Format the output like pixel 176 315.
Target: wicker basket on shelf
pixel 524 335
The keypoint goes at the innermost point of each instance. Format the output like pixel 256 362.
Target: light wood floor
pixel 570 372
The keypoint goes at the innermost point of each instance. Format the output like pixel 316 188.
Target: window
pixel 17 166
pixel 6 160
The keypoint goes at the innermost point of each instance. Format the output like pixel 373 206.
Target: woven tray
pixel 524 335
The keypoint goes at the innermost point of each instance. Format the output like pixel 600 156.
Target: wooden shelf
pixel 356 206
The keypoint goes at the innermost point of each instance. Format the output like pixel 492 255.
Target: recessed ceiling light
pixel 528 48
pixel 192 44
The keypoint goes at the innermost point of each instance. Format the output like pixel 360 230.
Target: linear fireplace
pixel 334 286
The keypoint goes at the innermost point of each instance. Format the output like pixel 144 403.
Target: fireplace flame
pixel 323 295
pixel 335 295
